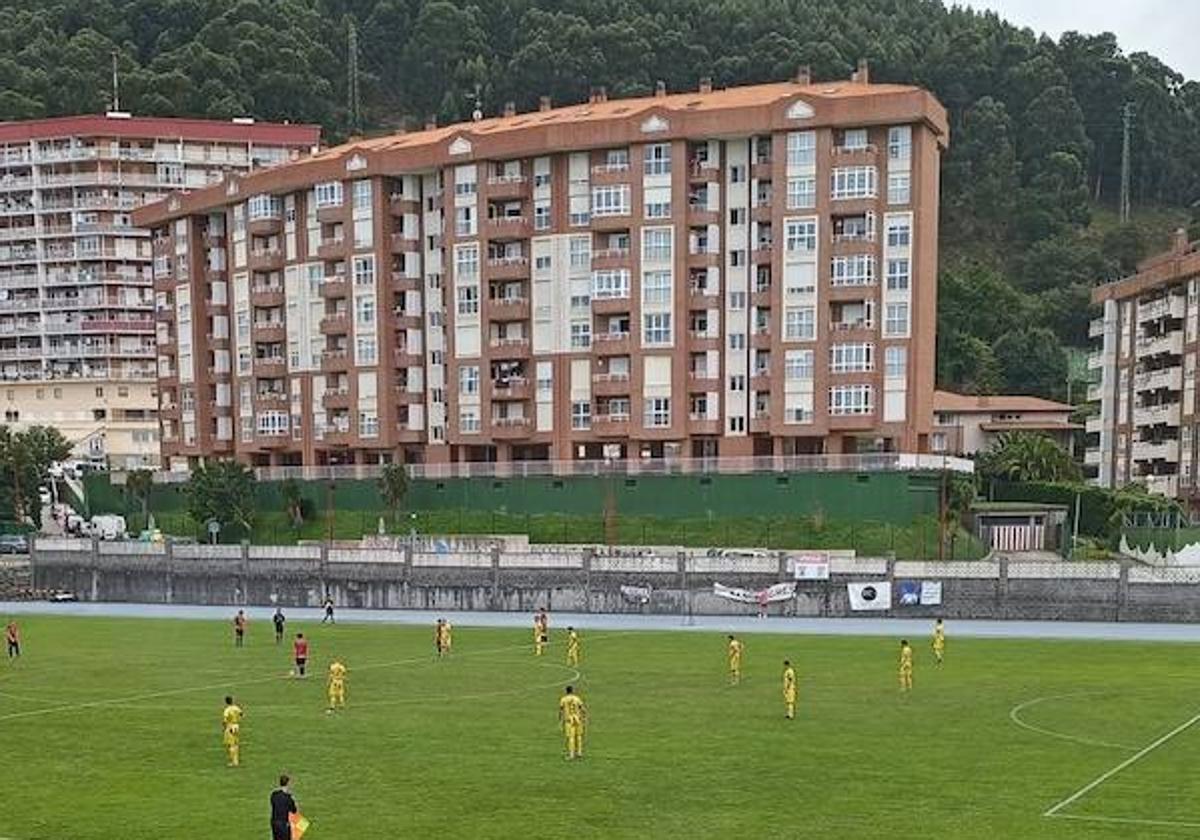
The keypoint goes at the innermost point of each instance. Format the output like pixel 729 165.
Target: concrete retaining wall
pixel 580 581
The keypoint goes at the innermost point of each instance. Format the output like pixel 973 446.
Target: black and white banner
pixel 870 596
pixel 636 594
pixel 810 566
pixel 778 592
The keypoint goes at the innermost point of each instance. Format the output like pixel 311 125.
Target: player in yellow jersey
pixel 441 638
pixel 572 716
pixel 735 660
pixel 906 666
pixel 231 731
pixel 939 641
pixel 336 685
pixel 789 690
pixel 572 646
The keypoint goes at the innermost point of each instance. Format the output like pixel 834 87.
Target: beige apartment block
pixel 965 424
pixel 710 273
pixel 1144 371
pixel 77 329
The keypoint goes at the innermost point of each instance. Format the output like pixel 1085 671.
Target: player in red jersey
pixel 239 629
pixel 300 653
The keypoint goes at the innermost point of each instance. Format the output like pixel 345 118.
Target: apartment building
pixel 77 329
pixel 739 272
pixel 1144 373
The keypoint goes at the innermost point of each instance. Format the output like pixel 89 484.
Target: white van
pixel 108 526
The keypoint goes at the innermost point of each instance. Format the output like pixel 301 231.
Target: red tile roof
pixel 101 125
pixel 948 401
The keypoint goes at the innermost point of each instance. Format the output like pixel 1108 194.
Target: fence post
pixel 244 580
pixel 495 605
pixel 681 565
pixel 889 574
pixel 587 579
pixel 323 570
pixel 1002 588
pixel 406 565
pixel 95 558
pixel 1122 591
pixel 783 573
pixel 169 560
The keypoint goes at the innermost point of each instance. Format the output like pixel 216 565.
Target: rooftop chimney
pixel 803 75
pixel 543 103
pixel 706 84
pixel 510 109
pixel 660 89
pixel 863 74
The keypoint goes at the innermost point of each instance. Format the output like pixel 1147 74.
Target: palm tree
pixel 138 484
pixel 393 486
pixel 1028 456
pixel 293 502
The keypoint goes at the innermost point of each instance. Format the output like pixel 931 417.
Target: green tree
pixel 393 487
pixel 25 459
pixel 1027 456
pixel 293 501
pixel 138 484
pixel 222 490
pixel 1032 362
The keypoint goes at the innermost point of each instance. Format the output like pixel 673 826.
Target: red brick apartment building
pixel 739 272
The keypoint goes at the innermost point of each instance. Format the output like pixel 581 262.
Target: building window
pixel 466 261
pixel 853 182
pixel 895 362
pixel 854 270
pixel 610 284
pixel 896 320
pixel 800 235
pixel 542 263
pixel 899 232
pixel 368 424
pixel 612 200
pixel 468 379
pixel 361 195
pixel 364 308
pixel 464 221
pixel 737 257
pixel 581 335
pixel 737 383
pixel 364 271
pixel 798 365
pixel 581 252
pixel 658 209
pixel 467 298
pixel 657 244
pixel 899 187
pixel 263 207
pixel 468 420
pixel 658 412
pixel 800 323
pixel 897 275
pixel 541 216
pixel 328 194
pixel 657 328
pixel 850 399
pixel 900 142
pixel 737 341
pixel 658 159
pixel 854 139
pixel 737 300
pixel 737 216
pixel 801 148
pixel 802 193
pixel 656 287
pixel 365 352
pixel 581 415
pixel 851 358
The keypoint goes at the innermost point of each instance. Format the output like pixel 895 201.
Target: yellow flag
pixel 299 825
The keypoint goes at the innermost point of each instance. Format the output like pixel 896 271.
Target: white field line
pixel 1127 820
pixel 1133 759
pixel 1014 715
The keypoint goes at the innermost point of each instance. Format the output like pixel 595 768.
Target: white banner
pixel 931 593
pixel 778 592
pixel 810 566
pixel 870 596
pixel 636 594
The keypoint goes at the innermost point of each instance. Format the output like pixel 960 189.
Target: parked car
pixel 44 496
pixel 108 526
pixel 14 544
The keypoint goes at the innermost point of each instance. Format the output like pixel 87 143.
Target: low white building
pixel 964 424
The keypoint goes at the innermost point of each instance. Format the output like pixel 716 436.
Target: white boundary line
pixel 1103 777
pixel 1014 714
pixel 1126 820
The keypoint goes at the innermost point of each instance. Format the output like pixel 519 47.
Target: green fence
pixel 896 498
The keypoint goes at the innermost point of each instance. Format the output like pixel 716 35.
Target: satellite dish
pixel 477 115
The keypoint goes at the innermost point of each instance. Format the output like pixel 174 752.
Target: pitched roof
pixel 951 402
pixel 105 125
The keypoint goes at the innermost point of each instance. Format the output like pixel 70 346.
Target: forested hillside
pixel 1034 162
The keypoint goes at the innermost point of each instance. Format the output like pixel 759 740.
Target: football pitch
pixel 110 728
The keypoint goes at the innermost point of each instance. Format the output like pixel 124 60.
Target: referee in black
pixel 282 805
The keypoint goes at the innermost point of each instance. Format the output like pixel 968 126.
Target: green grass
pixel 110 730
pixel 917 540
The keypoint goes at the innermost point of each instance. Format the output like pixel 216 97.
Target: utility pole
pixel 116 84
pixel 353 104
pixel 1126 166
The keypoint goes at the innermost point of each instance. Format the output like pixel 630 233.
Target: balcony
pixel 1158 415
pixel 1091 457
pixel 855 155
pixel 1170 378
pixel 611 425
pixel 512 388
pixel 265 225
pixel 1166 450
pixel 335 360
pixel 265 259
pixel 610 173
pixel 1095 360
pixel 404 281
pixel 610 258
pixel 611 343
pixel 267 295
pixel 271 399
pixel 1170 305
pixel 703 378
pixel 1170 343
pixel 1095 392
pixel 1096 328
pixel 508 308
pixel 335 323
pixel 507 227
pixel 269 331
pixel 510 348
pixel 402 242
pixel 700 297
pixel 270 365
pixel 1164 485
pixel 334 286
pixel 405 356
pixel 611 305
pixel 336 397
pixel 1093 425
pixel 508 268
pixel 856 325
pixel 702 424
pixel 331 248
pixel 506 428
pixel 610 384
pixel 506 186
